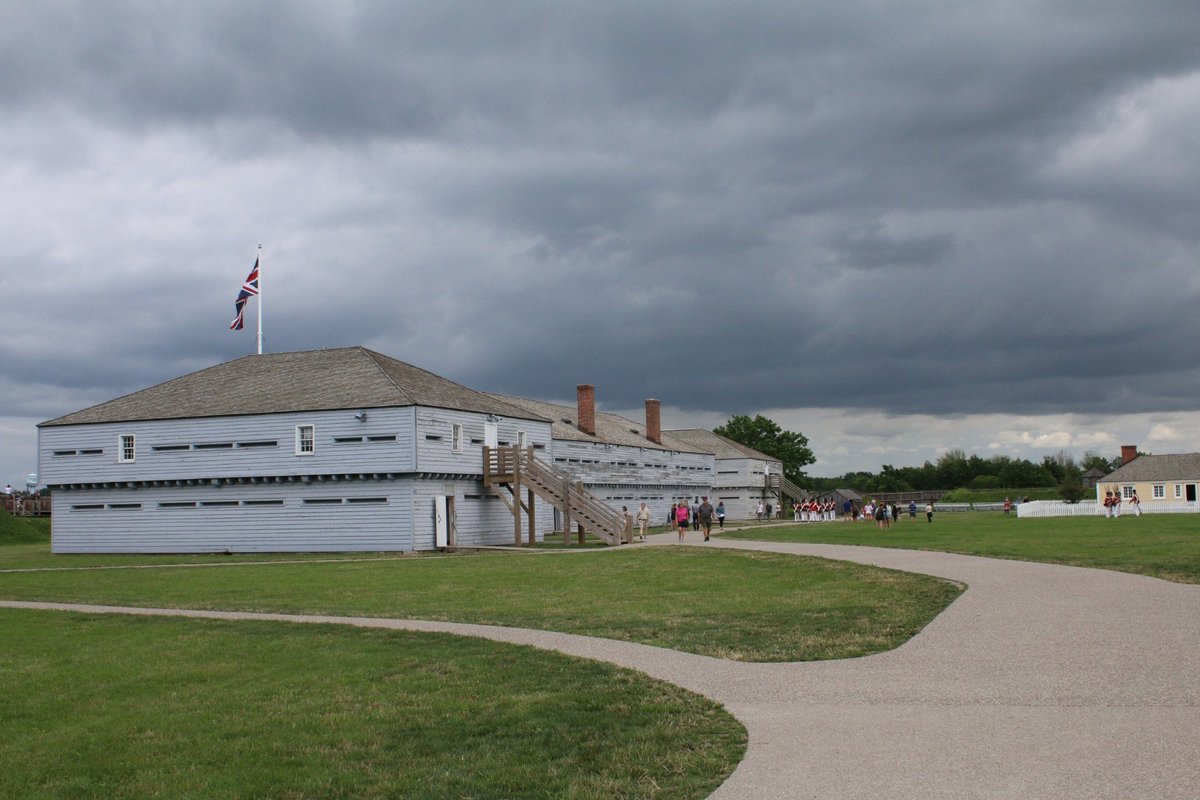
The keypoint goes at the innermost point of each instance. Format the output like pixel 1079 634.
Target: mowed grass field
pixel 1161 545
pixel 108 706
pixel 743 606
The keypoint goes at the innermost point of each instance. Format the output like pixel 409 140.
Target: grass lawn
pixel 744 606
pixel 120 707
pixel 1162 545
pixel 123 707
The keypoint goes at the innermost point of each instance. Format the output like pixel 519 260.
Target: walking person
pixel 695 516
pixel 759 511
pixel 705 513
pixel 1135 504
pixel 643 520
pixel 681 519
pixel 721 515
pixel 929 511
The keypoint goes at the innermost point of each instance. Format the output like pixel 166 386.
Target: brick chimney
pixel 1128 453
pixel 586 403
pixel 653 421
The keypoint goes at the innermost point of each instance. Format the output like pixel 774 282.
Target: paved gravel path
pixel 1040 681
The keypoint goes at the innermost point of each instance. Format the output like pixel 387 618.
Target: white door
pixel 441 522
pixel 491 435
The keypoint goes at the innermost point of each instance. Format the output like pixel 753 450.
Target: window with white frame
pixel 1159 492
pixel 1126 492
pixel 1178 490
pixel 306 440
pixel 456 437
pixel 126 450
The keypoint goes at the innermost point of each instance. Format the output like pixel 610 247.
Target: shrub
pixel 1072 490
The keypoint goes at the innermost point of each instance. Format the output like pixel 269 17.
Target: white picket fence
pixel 1057 508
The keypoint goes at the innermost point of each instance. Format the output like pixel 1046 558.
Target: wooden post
pixel 566 511
pixel 579 486
pixel 532 501
pixel 532 518
pixel 516 492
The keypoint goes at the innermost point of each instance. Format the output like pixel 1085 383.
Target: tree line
pixel 954 470
pixel 957 470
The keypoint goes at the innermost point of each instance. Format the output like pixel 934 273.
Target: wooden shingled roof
pixel 721 446
pixel 610 428
pixel 310 380
pixel 1176 467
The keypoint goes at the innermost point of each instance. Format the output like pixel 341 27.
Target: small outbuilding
pixel 1156 479
pixel 1093 476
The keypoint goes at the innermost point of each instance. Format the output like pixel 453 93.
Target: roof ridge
pixel 374 357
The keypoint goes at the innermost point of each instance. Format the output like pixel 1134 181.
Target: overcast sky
pixel 898 228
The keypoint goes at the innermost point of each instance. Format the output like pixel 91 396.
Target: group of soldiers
pixel 1113 500
pixel 813 510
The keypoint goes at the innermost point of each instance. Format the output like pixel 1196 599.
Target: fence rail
pixel 26 505
pixel 1057 508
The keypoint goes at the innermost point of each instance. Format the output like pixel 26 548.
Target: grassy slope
pixel 23 530
pixel 1163 545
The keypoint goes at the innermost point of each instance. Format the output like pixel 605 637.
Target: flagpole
pixel 260 299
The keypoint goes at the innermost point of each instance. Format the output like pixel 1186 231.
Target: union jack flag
pixel 249 289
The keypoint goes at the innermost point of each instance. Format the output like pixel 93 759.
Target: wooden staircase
pixel 508 470
pixel 785 488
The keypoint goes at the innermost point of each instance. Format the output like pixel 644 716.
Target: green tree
pixel 765 436
pixel 985 482
pixel 1072 489
pixel 1054 467
pixel 890 479
pixel 1022 473
pixel 953 470
pixel 888 482
pixel 1091 460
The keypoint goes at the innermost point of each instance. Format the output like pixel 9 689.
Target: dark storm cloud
pixel 919 208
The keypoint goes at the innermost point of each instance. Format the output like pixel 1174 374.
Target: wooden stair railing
pixel 786 488
pixel 514 468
